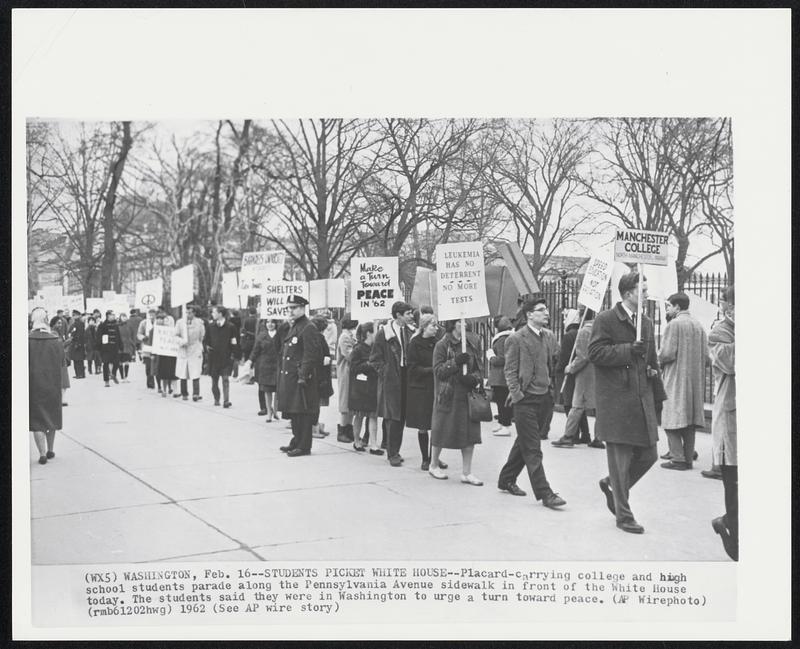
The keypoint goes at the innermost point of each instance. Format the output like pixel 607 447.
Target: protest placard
pixel 662 281
pixel 424 291
pixel 518 268
pixel 165 341
pixel 182 286
pixel 149 294
pixel 264 258
pixel 230 290
pixel 109 295
pixel 707 313
pixel 73 303
pixel 326 294
pixel 375 286
pixel 93 303
pixel 274 296
pixel 501 291
pixel 595 280
pixel 641 247
pixel 461 280
pixel 259 268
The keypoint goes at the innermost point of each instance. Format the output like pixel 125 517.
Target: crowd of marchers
pixel 412 371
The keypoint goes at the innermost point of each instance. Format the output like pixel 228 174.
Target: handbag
pixel 479 408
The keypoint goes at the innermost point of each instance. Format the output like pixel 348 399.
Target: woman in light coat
pixel 189 362
pixel 344 348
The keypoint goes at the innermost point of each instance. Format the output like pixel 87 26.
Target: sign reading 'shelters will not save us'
pixel 641 247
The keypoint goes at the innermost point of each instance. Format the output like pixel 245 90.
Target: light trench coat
pixel 722 347
pixel 189 362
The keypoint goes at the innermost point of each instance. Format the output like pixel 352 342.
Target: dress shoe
pixel 50 455
pixel 42 459
pixel 426 465
pixel 605 487
pixel 471 479
pixel 64 403
pixel 675 466
pixel 227 404
pixel 553 501
pixel 359 448
pixel 727 541
pixel 695 455
pixel 297 452
pixel 563 443
pixel 666 456
pixel 632 527
pixel 711 474
pixel 512 488
pixel 185 397
pixel 216 402
pixel 376 451
pixel 442 465
pixel 261 413
pixel 196 397
pixel 437 473
pixel 285 449
pixel 396 461
pixel 176 395
pixel 596 443
pixel 105 383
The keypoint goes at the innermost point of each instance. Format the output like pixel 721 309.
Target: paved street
pixel 140 478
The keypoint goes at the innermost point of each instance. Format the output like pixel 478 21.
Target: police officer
pixel 298 380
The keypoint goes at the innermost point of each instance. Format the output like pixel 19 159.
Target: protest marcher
pixel 347 340
pixel 222 346
pixel 92 347
pixel 135 320
pixel 451 426
pixel 363 390
pixel 626 414
pixel 298 381
pixel 248 335
pixel 722 349
pixel 683 355
pixel 58 326
pixel 567 380
pixel 45 360
pixel 582 397
pixel 162 367
pixel 190 331
pixel 389 358
pixel 263 359
pixel 110 346
pixel 497 378
pixel 420 390
pixel 77 347
pixel 127 335
pixel 530 359
pixel 325 383
pixel 144 333
pixel 330 332
pixel 235 320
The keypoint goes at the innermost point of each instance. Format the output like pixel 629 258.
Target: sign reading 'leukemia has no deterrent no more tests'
pixel 375 287
pixel 641 247
pixel 461 280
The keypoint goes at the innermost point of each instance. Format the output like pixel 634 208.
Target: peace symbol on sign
pixel 147 300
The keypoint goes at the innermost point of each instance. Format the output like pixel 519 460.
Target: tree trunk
pixel 109 230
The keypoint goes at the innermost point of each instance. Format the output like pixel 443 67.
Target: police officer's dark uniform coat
pixel 299 357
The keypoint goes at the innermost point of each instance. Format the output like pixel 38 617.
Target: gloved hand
pixel 462 358
pixel 639 348
pixel 468 380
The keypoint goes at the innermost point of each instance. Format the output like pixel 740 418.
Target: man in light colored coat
pixel 683 354
pixel 189 362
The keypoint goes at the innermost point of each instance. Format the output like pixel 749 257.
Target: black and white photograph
pixel 453 351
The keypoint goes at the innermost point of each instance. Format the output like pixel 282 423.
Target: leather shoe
pixel 596 443
pixel 50 455
pixel 227 404
pixel 553 501
pixel 196 397
pixel 512 488
pixel 605 487
pixel 727 541
pixel 675 466
pixel 297 452
pixel 631 527
pixel 376 451
pixel 563 443
pixel 285 449
pixel 261 413
pixel 666 456
pixel 396 461
pixel 711 474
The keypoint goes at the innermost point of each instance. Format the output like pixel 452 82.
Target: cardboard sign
pixel 149 294
pixel 461 280
pixel 501 291
pixel 518 267
pixel 326 294
pixel 375 286
pixel 641 247
pixel 662 281
pixel 595 280
pixel 93 303
pixel 182 286
pixel 264 258
pixel 117 307
pixel 259 268
pixel 274 296
pixel 230 290
pixel 109 295
pixel 703 310
pixel 424 291
pixel 165 342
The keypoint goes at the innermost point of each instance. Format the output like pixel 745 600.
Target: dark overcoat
pixel 624 400
pixel 363 390
pixel 419 397
pixel 385 358
pixel 45 360
pixel 264 357
pixel 300 356
pixel 109 351
pixel 451 426
pixel 77 351
pixel 567 344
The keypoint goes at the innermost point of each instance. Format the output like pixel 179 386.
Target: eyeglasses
pixel 540 308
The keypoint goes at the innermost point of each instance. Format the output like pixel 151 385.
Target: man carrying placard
pixel 626 415
pixel 221 342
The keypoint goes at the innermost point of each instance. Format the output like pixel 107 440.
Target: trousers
pixel 504 412
pixel 395 427
pixel 730 482
pixel 626 465
pixel 195 387
pixel 681 444
pixel 531 415
pixel 301 431
pixel 217 374
pixel 148 365
pixel 113 366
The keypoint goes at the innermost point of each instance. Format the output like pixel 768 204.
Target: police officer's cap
pixel 297 300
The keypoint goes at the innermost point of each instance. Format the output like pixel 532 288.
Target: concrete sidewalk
pixel 140 478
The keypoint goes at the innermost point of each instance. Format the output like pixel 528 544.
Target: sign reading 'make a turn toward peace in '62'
pixel 641 247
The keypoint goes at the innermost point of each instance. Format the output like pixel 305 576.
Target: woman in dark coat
pixel 320 323
pixel 419 404
pixel 77 347
pixel 92 347
pixel 363 390
pixel 45 360
pixel 59 328
pixel 451 425
pixel 264 360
